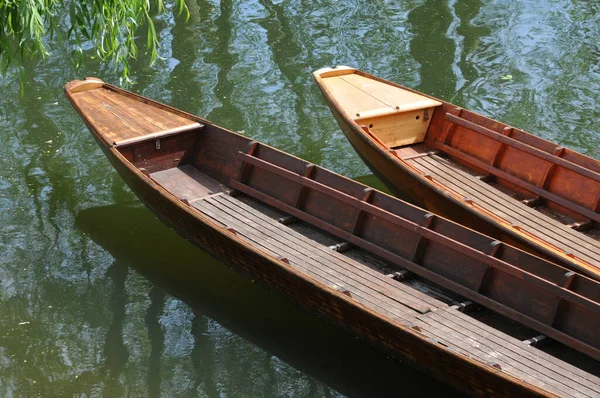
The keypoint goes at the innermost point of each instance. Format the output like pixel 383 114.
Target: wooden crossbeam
pixel 551 169
pixel 246 168
pixel 286 220
pixel 537 341
pixel 359 218
pixel 303 190
pixel 449 127
pixel 465 306
pixel 583 225
pixel 567 281
pixel 376 211
pixel 340 247
pixel 422 242
pixel 399 275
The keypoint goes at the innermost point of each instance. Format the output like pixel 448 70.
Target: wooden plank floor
pixel 448 173
pixel 397 300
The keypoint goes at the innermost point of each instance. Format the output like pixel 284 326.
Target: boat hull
pixel 399 341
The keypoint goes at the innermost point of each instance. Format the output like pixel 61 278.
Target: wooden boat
pixel 486 175
pixel 390 273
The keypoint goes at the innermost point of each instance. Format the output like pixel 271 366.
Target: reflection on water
pixel 101 300
pixel 198 340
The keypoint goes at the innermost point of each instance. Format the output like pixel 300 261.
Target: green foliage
pixel 110 25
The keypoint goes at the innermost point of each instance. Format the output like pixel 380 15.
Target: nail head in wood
pixel 536 341
pixel 286 220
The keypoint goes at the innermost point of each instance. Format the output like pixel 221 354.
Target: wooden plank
pixel 140 121
pixel 310 250
pixel 158 134
pixel 268 236
pixel 524 147
pixel 102 120
pixel 351 99
pixel 513 347
pixel 455 178
pixel 489 351
pixel 325 253
pixel 501 204
pixel 186 182
pixel 496 201
pixel 126 107
pixel 521 183
pixel 431 276
pixel 538 361
pixel 392 96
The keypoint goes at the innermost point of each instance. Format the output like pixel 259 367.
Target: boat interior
pixel 469 293
pixel 538 186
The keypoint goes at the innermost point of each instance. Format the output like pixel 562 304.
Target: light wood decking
pixel 118 118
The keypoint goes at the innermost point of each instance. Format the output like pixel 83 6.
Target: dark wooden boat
pixel 392 274
pixel 486 175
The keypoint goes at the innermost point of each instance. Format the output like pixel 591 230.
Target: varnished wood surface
pixel 518 214
pixel 119 118
pixel 435 320
pixel 358 94
pixel 186 182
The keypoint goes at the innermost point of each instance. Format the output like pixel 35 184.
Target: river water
pixel 98 298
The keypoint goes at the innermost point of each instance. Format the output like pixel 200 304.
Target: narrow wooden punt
pixel 388 272
pixel 486 175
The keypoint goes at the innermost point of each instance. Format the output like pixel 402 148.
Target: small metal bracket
pixel 158 143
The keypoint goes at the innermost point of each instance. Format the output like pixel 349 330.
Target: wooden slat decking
pixel 325 265
pixel 527 218
pixel 398 301
pixel 477 340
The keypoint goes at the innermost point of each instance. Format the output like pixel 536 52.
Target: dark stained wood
pixel 186 182
pixel 187 179
pixel 545 175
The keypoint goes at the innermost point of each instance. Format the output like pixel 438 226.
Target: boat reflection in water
pixel 137 240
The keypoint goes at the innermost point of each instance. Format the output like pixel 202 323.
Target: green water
pixel 97 298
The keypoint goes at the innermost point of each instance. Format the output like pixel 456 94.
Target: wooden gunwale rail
pixel 506 140
pixel 560 292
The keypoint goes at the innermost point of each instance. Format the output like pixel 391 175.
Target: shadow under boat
pixel 135 238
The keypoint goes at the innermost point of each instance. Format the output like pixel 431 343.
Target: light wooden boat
pixel 392 274
pixel 486 175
